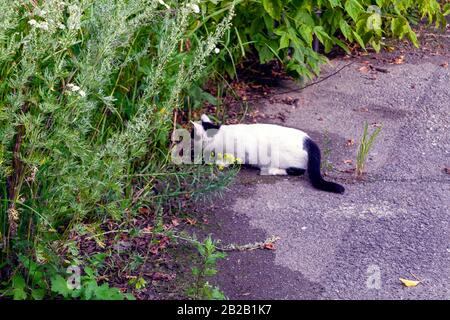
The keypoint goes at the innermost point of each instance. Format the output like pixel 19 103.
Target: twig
pixel 235 247
pixel 437 35
pixel 250 246
pixel 383 70
pixel 312 83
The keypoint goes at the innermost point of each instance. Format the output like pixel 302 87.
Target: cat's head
pixel 205 129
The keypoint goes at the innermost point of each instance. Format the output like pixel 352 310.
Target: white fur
pixel 272 148
pixel 205 118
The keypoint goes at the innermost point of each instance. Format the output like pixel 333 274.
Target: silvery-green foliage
pixel 69 69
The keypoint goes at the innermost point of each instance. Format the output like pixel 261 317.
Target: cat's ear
pixel 198 129
pixel 205 118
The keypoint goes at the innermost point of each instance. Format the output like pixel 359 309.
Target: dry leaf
pixel 100 243
pixel 159 276
pixel 409 283
pixel 447 170
pixel 364 69
pixel 348 161
pixel 269 246
pixel 399 60
pixel 350 142
pixel 362 109
pixel 444 65
pixel 175 222
pixel 148 229
pixel 188 45
pixel 191 221
pixel 144 210
pixel 389 49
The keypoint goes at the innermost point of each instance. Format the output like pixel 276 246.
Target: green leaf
pixel 140 283
pixel 18 282
pixel 18 285
pixel 38 294
pixel 359 39
pixel 341 44
pixel 320 33
pixel 399 26
pixel 89 272
pixel 59 286
pixel 273 8
pixel 268 21
pixel 210 272
pixel 19 294
pixel 284 41
pixel 380 3
pixel 265 55
pixel 129 296
pixel 306 33
pixel 303 17
pixel 374 22
pixel 335 3
pixel 195 271
pixel 89 289
pixel 413 37
pixel 104 292
pixel 354 9
pixel 376 45
pixel 76 293
pixel 346 29
pixel 446 9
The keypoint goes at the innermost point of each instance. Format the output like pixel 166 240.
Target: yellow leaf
pixel 409 283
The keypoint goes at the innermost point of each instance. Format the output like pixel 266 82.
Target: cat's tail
pixel 314 169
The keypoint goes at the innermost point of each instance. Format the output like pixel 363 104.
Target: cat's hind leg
pixel 272 172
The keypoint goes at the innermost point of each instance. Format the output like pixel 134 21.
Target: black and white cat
pixel 274 149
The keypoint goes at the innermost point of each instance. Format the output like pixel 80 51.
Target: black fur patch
pixel 314 169
pixel 295 171
pixel 210 125
pixel 210 128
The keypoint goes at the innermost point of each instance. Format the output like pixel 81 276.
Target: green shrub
pixel 285 29
pixel 87 94
pixel 201 288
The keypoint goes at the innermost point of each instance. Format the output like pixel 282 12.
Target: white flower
pixel 43 25
pixel 194 7
pixel 164 4
pixel 216 50
pixel 41 13
pixel 72 87
pixel 74 21
pixel 61 26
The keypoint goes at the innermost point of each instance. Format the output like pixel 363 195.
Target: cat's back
pixel 265 130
